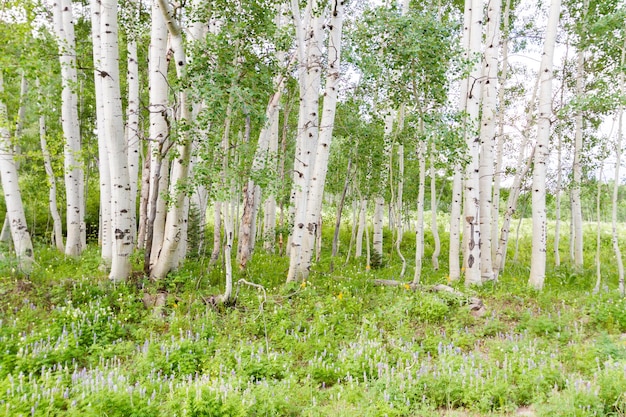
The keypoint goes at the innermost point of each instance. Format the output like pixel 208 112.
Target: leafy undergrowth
pixel 74 344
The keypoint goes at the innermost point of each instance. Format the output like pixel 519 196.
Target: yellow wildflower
pixel 303 284
pixel 407 287
pixel 340 296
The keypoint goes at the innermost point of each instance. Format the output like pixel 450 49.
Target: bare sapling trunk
pixel 133 139
pixel 217 233
pixel 399 203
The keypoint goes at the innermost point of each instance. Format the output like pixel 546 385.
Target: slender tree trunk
pixel 358 252
pixel 616 179
pixel 217 236
pixel 433 208
pixel 74 186
pixel 133 138
pixel 488 138
pixel 106 228
pixel 596 289
pixel 377 235
pixel 539 237
pixel 557 208
pixel 511 209
pixel 419 229
pixel 577 169
pixel 52 195
pixel 455 226
pixel 399 201
pixel 497 178
pixel 342 200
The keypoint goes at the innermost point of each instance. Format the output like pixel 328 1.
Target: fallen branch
pixel 476 306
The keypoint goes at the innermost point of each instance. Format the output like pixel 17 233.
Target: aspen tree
pixel 113 123
pixel 12 195
pixel 487 136
pixel 74 182
pixel 539 237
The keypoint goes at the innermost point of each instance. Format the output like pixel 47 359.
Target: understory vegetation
pixel 74 344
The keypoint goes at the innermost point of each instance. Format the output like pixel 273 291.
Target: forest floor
pixel 72 343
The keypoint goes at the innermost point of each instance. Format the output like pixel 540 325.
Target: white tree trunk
pixel 12 196
pixel 358 251
pixel 598 259
pixel 419 228
pixel 471 206
pixel 106 228
pixel 454 272
pixel 158 134
pixel 433 208
pixel 309 43
pixel 377 235
pixel 557 208
pixel 133 138
pixel 175 224
pixel 577 169
pixel 497 178
pixel 487 137
pixel 315 195
pixel 74 186
pixel 57 224
pixel 616 179
pixel 121 210
pixel 539 237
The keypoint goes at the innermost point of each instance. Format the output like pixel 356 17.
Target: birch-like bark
pixel 57 222
pixel 457 179
pixel 596 288
pixel 557 204
pixel 133 138
pixel 122 216
pixel 419 229
pixel 309 42
pixel 433 208
pixel 340 205
pixel 13 199
pixel 217 232
pixel 377 235
pixel 315 195
pixel 577 169
pixel 358 251
pixel 74 184
pixel 616 178
pixel 511 205
pixel 471 205
pixel 106 228
pixel 487 136
pixel 175 223
pixel 497 177
pixel 539 237
pixel 158 135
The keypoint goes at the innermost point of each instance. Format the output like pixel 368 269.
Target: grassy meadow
pixel 74 344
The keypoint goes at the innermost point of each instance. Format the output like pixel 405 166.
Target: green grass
pixel 72 343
